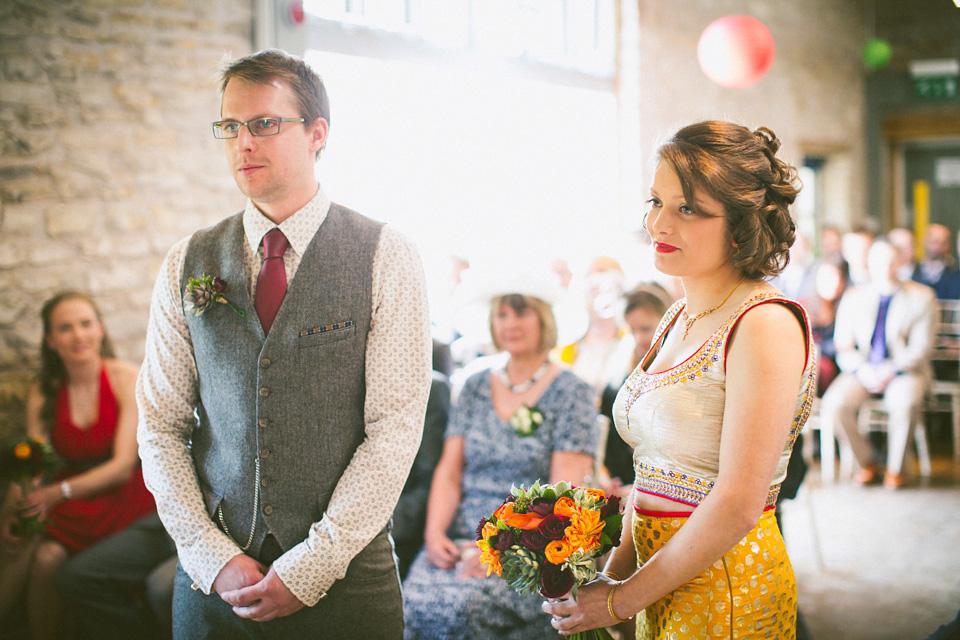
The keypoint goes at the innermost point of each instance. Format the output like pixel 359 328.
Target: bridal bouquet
pixel 21 461
pixel 548 538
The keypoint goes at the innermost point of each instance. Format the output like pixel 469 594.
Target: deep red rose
pixel 611 508
pixel 553 525
pixel 503 540
pixel 555 582
pixel 542 506
pixel 483 521
pixel 219 285
pixel 531 539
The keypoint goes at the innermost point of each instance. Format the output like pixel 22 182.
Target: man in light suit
pixel 276 431
pixel 883 335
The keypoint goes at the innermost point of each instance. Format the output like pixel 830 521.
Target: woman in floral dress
pixel 528 420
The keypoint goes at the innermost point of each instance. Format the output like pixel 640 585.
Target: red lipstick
pixel 663 247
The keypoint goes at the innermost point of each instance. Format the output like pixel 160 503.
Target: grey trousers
pixel 364 605
pixel 108 587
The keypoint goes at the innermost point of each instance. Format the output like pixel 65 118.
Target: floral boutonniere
pixel 526 420
pixel 202 292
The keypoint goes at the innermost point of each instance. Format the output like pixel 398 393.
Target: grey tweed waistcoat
pixel 293 399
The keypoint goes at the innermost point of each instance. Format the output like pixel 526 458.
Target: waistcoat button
pixel 267 509
pixel 264 392
pixel 264 481
pixel 263 422
pixel 265 453
pixel 265 363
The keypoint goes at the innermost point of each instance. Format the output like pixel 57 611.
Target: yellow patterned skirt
pixel 750 592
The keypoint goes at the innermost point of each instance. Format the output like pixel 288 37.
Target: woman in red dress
pixel 83 403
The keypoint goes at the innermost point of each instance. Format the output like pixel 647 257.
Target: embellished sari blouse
pixel 673 419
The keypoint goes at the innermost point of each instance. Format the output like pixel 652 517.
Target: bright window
pixel 466 148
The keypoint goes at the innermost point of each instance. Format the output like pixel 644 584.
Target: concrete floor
pixel 874 564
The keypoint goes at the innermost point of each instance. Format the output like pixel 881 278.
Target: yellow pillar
pixel 921 214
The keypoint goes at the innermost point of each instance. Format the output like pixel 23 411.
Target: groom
pixel 276 432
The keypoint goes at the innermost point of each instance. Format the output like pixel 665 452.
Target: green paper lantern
pixel 877 53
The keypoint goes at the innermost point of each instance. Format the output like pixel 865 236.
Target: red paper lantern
pixel 736 51
pixel 295 12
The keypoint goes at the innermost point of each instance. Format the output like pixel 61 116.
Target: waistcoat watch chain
pixel 256 504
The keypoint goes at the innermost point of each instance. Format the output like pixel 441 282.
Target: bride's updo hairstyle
pixel 739 169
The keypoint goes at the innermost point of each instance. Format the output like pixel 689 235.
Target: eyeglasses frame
pixel 247 125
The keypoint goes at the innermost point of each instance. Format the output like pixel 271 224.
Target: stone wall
pixel 106 158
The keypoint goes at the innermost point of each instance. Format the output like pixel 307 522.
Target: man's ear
pixel 318 133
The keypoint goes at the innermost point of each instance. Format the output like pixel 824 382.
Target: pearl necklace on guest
pixel 523 386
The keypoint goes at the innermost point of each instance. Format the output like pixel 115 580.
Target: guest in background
pixel 644 307
pixel 410 514
pixel 110 588
pixel 938 269
pixel 446 594
pixel 830 244
pixel 883 336
pixel 796 281
pixel 903 241
pixel 830 281
pixel 590 356
pixel 854 247
pixel 83 403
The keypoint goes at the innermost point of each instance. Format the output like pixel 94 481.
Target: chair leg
pixel 923 450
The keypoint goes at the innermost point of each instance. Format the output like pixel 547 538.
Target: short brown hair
pixel 274 64
pixel 519 302
pixel 739 169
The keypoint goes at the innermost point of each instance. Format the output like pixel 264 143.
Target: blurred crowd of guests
pixel 870 299
pixel 873 306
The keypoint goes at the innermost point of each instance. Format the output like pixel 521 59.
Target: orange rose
pixel 564 506
pixel 524 520
pixel 504 511
pixel 586 527
pixel 558 551
pixel 22 451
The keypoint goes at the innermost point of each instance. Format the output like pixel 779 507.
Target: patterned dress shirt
pixel 397 383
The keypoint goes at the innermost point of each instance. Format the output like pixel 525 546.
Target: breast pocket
pixel 326 334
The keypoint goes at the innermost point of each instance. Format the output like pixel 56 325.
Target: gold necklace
pixel 688 321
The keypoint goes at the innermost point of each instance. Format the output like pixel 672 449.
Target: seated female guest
pixel 446 594
pixel 715 406
pixel 83 403
pixel 644 306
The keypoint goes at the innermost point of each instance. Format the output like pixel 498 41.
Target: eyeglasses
pixel 223 129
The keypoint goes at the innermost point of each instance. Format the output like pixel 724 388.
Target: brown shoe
pixel 894 480
pixel 866 475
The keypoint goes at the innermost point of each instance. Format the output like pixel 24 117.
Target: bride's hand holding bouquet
pixel 548 538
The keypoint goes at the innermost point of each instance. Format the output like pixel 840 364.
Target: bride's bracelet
pixel 611 574
pixel 616 619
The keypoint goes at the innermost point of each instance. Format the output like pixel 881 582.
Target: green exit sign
pixel 935 87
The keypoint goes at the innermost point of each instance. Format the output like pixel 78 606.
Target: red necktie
pixel 272 281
